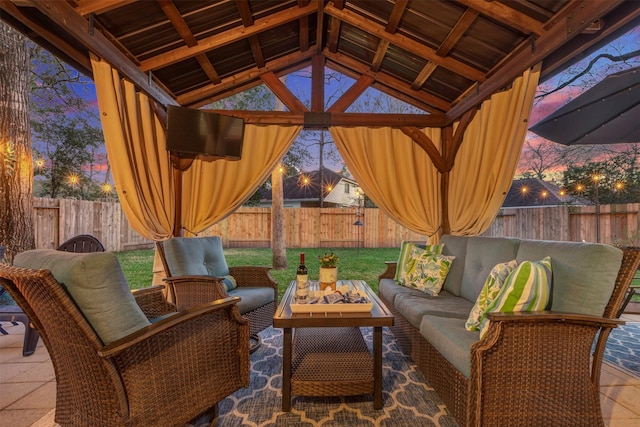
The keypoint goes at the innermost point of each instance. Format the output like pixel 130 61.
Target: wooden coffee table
pixel 327 355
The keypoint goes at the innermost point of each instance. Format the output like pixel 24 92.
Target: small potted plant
pixel 328 270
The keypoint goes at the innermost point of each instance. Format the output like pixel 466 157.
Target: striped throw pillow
pixel 489 291
pixel 406 249
pixel 527 288
pixel 229 282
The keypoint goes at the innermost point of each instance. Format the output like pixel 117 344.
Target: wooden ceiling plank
pixel 282 92
pixel 227 84
pixel 506 15
pixel 381 51
pixel 405 43
pixel 172 12
pixel 227 37
pixel 86 7
pixel 351 94
pixel 65 16
pixel 424 74
pixel 317 83
pixel 583 14
pixel 8 7
pixel 427 145
pixel 457 32
pixel 388 80
pixel 396 15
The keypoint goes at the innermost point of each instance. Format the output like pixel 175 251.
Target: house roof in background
pixel 442 56
pixel 295 189
pixel 536 192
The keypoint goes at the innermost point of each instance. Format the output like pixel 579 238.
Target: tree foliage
pixel 66 129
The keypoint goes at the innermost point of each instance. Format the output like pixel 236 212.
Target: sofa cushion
pixel 584 274
pixel 454 246
pixel 252 297
pixel 389 289
pixel 483 253
pixel 198 256
pixel 415 305
pixel 406 249
pixel 96 284
pixel 451 339
pixel 492 286
pixel 527 288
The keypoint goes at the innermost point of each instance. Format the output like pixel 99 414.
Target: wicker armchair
pixel 515 368
pixel 189 288
pixel 165 374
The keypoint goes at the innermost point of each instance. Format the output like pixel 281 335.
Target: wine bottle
pixel 302 277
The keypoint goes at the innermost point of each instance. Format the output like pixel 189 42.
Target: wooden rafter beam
pixel 286 118
pixel 86 7
pixel 247 20
pixel 511 17
pixel 227 37
pixel 423 75
pixel 317 83
pixel 282 92
pixel 457 32
pixel 64 15
pixel 396 15
pixel 351 94
pixel 319 24
pixel 303 25
pixel 456 140
pixel 437 104
pixel 213 91
pixel 173 14
pixel 334 34
pixel 427 145
pixel 582 14
pixel 405 43
pixel 381 51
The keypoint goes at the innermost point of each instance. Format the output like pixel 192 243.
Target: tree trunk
pixel 16 163
pixel 278 238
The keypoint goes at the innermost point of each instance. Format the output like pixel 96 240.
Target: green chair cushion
pixel 97 285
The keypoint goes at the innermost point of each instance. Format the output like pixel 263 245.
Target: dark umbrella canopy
pixel 608 113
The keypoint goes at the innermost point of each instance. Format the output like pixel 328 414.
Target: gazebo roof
pixel 444 57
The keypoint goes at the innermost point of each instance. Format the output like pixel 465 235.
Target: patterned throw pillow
pixel 527 288
pixel 490 289
pixel 405 253
pixel 426 271
pixel 229 282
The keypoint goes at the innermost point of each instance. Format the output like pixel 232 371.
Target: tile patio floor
pixel 27 386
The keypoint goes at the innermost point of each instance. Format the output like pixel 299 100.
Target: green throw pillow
pixel 527 288
pixel 426 272
pixel 406 249
pixel 489 291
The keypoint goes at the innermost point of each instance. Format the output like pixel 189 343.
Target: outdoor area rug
pixel 623 348
pixel 408 400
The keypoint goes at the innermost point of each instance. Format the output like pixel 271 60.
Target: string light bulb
pixel 39 163
pixel 544 194
pixel 74 179
pixel 107 188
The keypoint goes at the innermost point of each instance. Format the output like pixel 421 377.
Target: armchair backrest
pixel 82 243
pixel 71 341
pixel 193 256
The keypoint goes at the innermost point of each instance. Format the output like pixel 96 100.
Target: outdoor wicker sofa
pixel 529 369
pixel 125 358
pixel 194 268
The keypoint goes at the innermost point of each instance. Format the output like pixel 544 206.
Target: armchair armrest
pixel 189 291
pixel 193 358
pixel 253 276
pixel 152 301
pixel 390 272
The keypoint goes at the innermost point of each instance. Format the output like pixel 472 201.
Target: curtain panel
pixel 135 142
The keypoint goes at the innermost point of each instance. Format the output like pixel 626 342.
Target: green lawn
pixel 363 264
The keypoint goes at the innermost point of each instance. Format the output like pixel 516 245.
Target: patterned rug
pixel 623 348
pixel 408 400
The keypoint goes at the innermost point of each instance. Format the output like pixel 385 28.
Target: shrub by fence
pixel 59 220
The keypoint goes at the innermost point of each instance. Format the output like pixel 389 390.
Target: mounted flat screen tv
pixel 197 132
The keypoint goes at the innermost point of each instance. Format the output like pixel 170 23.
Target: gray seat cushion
pixel 389 289
pixel 414 306
pixel 252 298
pixel 96 284
pixel 451 339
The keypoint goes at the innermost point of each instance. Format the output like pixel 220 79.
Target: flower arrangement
pixel 328 260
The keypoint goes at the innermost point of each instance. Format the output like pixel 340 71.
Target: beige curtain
pixel 135 142
pixel 488 157
pixel 213 190
pixel 395 173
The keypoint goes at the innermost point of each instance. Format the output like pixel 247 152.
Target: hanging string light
pixel 73 179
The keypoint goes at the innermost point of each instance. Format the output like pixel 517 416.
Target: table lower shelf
pixel 331 362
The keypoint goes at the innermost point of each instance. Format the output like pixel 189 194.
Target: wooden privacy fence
pixel 59 220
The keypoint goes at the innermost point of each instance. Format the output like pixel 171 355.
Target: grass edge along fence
pixel 57 220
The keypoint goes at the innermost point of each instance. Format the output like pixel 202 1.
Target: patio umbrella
pixel 608 113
